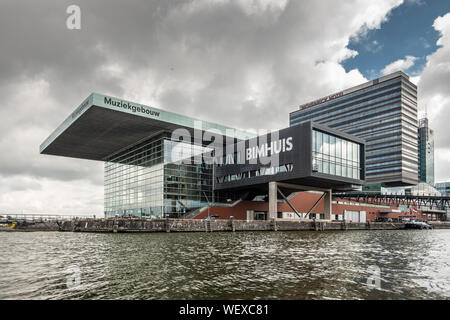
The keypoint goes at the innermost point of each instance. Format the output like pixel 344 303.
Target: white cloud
pixel 415 2
pixel 415 79
pixel 434 96
pixel 45 196
pixel 399 65
pixel 240 63
pixel 371 16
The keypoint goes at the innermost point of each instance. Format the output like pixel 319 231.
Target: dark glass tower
pixel 383 112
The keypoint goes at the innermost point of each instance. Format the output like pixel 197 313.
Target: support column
pixel 273 204
pixel 327 205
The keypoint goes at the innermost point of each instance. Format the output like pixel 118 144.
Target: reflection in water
pixel 254 265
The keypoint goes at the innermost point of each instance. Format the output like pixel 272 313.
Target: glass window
pixel 338 170
pixel 320 165
pixel 349 151
pixel 359 154
pixel 332 168
pixel 336 156
pixel 332 146
pixel 319 142
pixel 326 147
pixel 355 152
pixel 344 149
pixel 314 141
pixel 145 179
pixel 326 167
pixel 338 148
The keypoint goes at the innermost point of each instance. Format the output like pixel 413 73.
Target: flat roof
pixel 398 74
pixel 102 125
pixel 343 93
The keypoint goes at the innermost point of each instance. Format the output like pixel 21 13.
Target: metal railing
pixel 41 217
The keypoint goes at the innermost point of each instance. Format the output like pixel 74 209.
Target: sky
pixel 242 63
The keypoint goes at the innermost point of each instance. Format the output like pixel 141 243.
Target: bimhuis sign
pixel 264 150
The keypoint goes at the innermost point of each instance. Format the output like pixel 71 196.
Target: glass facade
pixel 188 177
pixel 134 181
pixel 426 152
pixel 335 156
pixel 158 178
pixel 384 114
pixel 284 168
pixel 443 188
pixel 421 189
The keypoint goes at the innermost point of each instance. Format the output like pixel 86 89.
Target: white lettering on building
pixel 269 149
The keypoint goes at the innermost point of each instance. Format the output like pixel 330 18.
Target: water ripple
pixel 251 265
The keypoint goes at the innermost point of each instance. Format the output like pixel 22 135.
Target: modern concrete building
pixel 161 164
pixel 383 112
pixel 426 152
pixel 143 149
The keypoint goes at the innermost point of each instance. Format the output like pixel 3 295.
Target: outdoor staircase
pixel 194 213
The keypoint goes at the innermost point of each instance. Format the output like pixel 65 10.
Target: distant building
pixel 383 112
pixel 421 189
pixel 426 152
pixel 444 188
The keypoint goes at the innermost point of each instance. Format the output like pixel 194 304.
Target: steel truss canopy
pixel 439 202
pixel 102 125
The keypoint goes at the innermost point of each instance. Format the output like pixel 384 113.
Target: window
pixel 335 156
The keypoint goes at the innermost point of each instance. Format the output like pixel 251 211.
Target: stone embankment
pixel 195 225
pixel 31 226
pixel 115 225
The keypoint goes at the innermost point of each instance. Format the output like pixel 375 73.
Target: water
pixel 413 264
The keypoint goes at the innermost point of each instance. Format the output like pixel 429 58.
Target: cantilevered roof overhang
pixel 103 125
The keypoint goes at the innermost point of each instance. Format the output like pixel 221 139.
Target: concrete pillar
pixel 167 225
pixel 327 210
pixel 274 225
pixel 273 204
pixel 115 225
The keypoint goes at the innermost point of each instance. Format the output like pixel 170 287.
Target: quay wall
pixel 197 225
pixel 31 226
pixel 440 225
